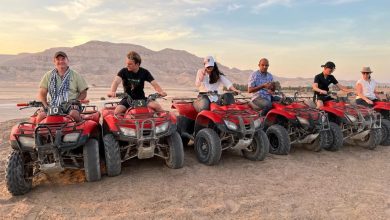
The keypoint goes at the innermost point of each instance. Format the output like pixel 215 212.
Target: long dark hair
pixel 215 74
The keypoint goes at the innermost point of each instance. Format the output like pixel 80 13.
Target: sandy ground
pixel 352 183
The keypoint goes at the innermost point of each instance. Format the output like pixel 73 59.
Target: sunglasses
pixel 368 73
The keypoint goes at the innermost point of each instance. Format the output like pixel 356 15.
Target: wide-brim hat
pixel 366 69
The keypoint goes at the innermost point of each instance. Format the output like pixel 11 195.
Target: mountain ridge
pixel 99 62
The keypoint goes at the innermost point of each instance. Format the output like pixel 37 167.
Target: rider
pixel 62 84
pixel 261 84
pixel 208 79
pixel 133 79
pixel 322 82
pixel 366 89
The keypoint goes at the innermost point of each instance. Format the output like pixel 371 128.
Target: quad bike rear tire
pixel 112 155
pixel 208 147
pixel 372 140
pixel 92 160
pixel 259 147
pixel 385 133
pixel 336 135
pixel 17 178
pixel 175 158
pixel 279 140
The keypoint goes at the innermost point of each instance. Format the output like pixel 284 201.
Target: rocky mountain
pixel 99 62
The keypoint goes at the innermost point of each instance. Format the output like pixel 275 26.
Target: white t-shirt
pixel 205 86
pixel 368 88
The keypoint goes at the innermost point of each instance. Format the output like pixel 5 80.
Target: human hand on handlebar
pixel 323 92
pixel 162 94
pixel 111 94
pixel 369 102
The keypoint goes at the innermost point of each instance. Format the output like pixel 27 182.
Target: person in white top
pixel 366 89
pixel 209 79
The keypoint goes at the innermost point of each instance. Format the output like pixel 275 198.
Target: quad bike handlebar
pixel 151 97
pixel 39 104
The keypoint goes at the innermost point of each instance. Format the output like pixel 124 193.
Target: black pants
pixel 364 103
pixel 323 98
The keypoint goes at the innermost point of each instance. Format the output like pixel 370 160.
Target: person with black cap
pixel 322 82
pixel 366 89
pixel 62 84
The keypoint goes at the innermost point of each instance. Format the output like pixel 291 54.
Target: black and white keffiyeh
pixel 57 96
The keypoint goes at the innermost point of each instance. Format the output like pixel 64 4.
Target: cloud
pixel 267 3
pixel 234 7
pixel 75 8
pixel 341 2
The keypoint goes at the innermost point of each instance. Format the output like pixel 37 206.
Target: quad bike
pixel 140 132
pixel 360 125
pixel 53 144
pixel 383 107
pixel 225 125
pixel 292 121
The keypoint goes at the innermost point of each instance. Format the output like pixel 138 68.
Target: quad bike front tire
pixel 175 158
pixel 279 140
pixel 385 133
pixel 259 147
pixel 336 136
pixel 112 155
pixel 18 179
pixel 181 127
pixel 92 160
pixel 372 139
pixel 208 147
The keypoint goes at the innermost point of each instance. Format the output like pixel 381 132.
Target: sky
pixel 297 36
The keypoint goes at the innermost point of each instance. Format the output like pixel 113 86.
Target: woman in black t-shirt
pixel 322 82
pixel 133 79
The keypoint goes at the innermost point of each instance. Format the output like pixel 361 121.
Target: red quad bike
pixel 358 124
pixel 224 126
pixel 383 107
pixel 55 143
pixel 140 132
pixel 291 121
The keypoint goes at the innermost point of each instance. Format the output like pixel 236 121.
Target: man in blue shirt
pixel 260 83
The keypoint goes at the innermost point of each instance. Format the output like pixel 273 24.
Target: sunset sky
pixel 296 35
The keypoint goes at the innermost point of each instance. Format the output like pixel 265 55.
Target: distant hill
pixel 100 61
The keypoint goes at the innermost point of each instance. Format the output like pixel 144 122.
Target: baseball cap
pixel 329 64
pixel 208 61
pixel 60 53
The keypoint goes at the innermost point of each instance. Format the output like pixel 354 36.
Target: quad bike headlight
pixel 162 128
pixel 303 121
pixel 230 125
pixel 128 131
pixel 71 137
pixel 351 117
pixel 257 123
pixel 27 141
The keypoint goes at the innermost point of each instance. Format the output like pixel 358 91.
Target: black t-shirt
pixel 323 83
pixel 134 83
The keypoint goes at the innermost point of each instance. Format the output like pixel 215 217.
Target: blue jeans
pixel 264 104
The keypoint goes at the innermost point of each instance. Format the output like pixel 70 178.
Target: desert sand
pixel 352 183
